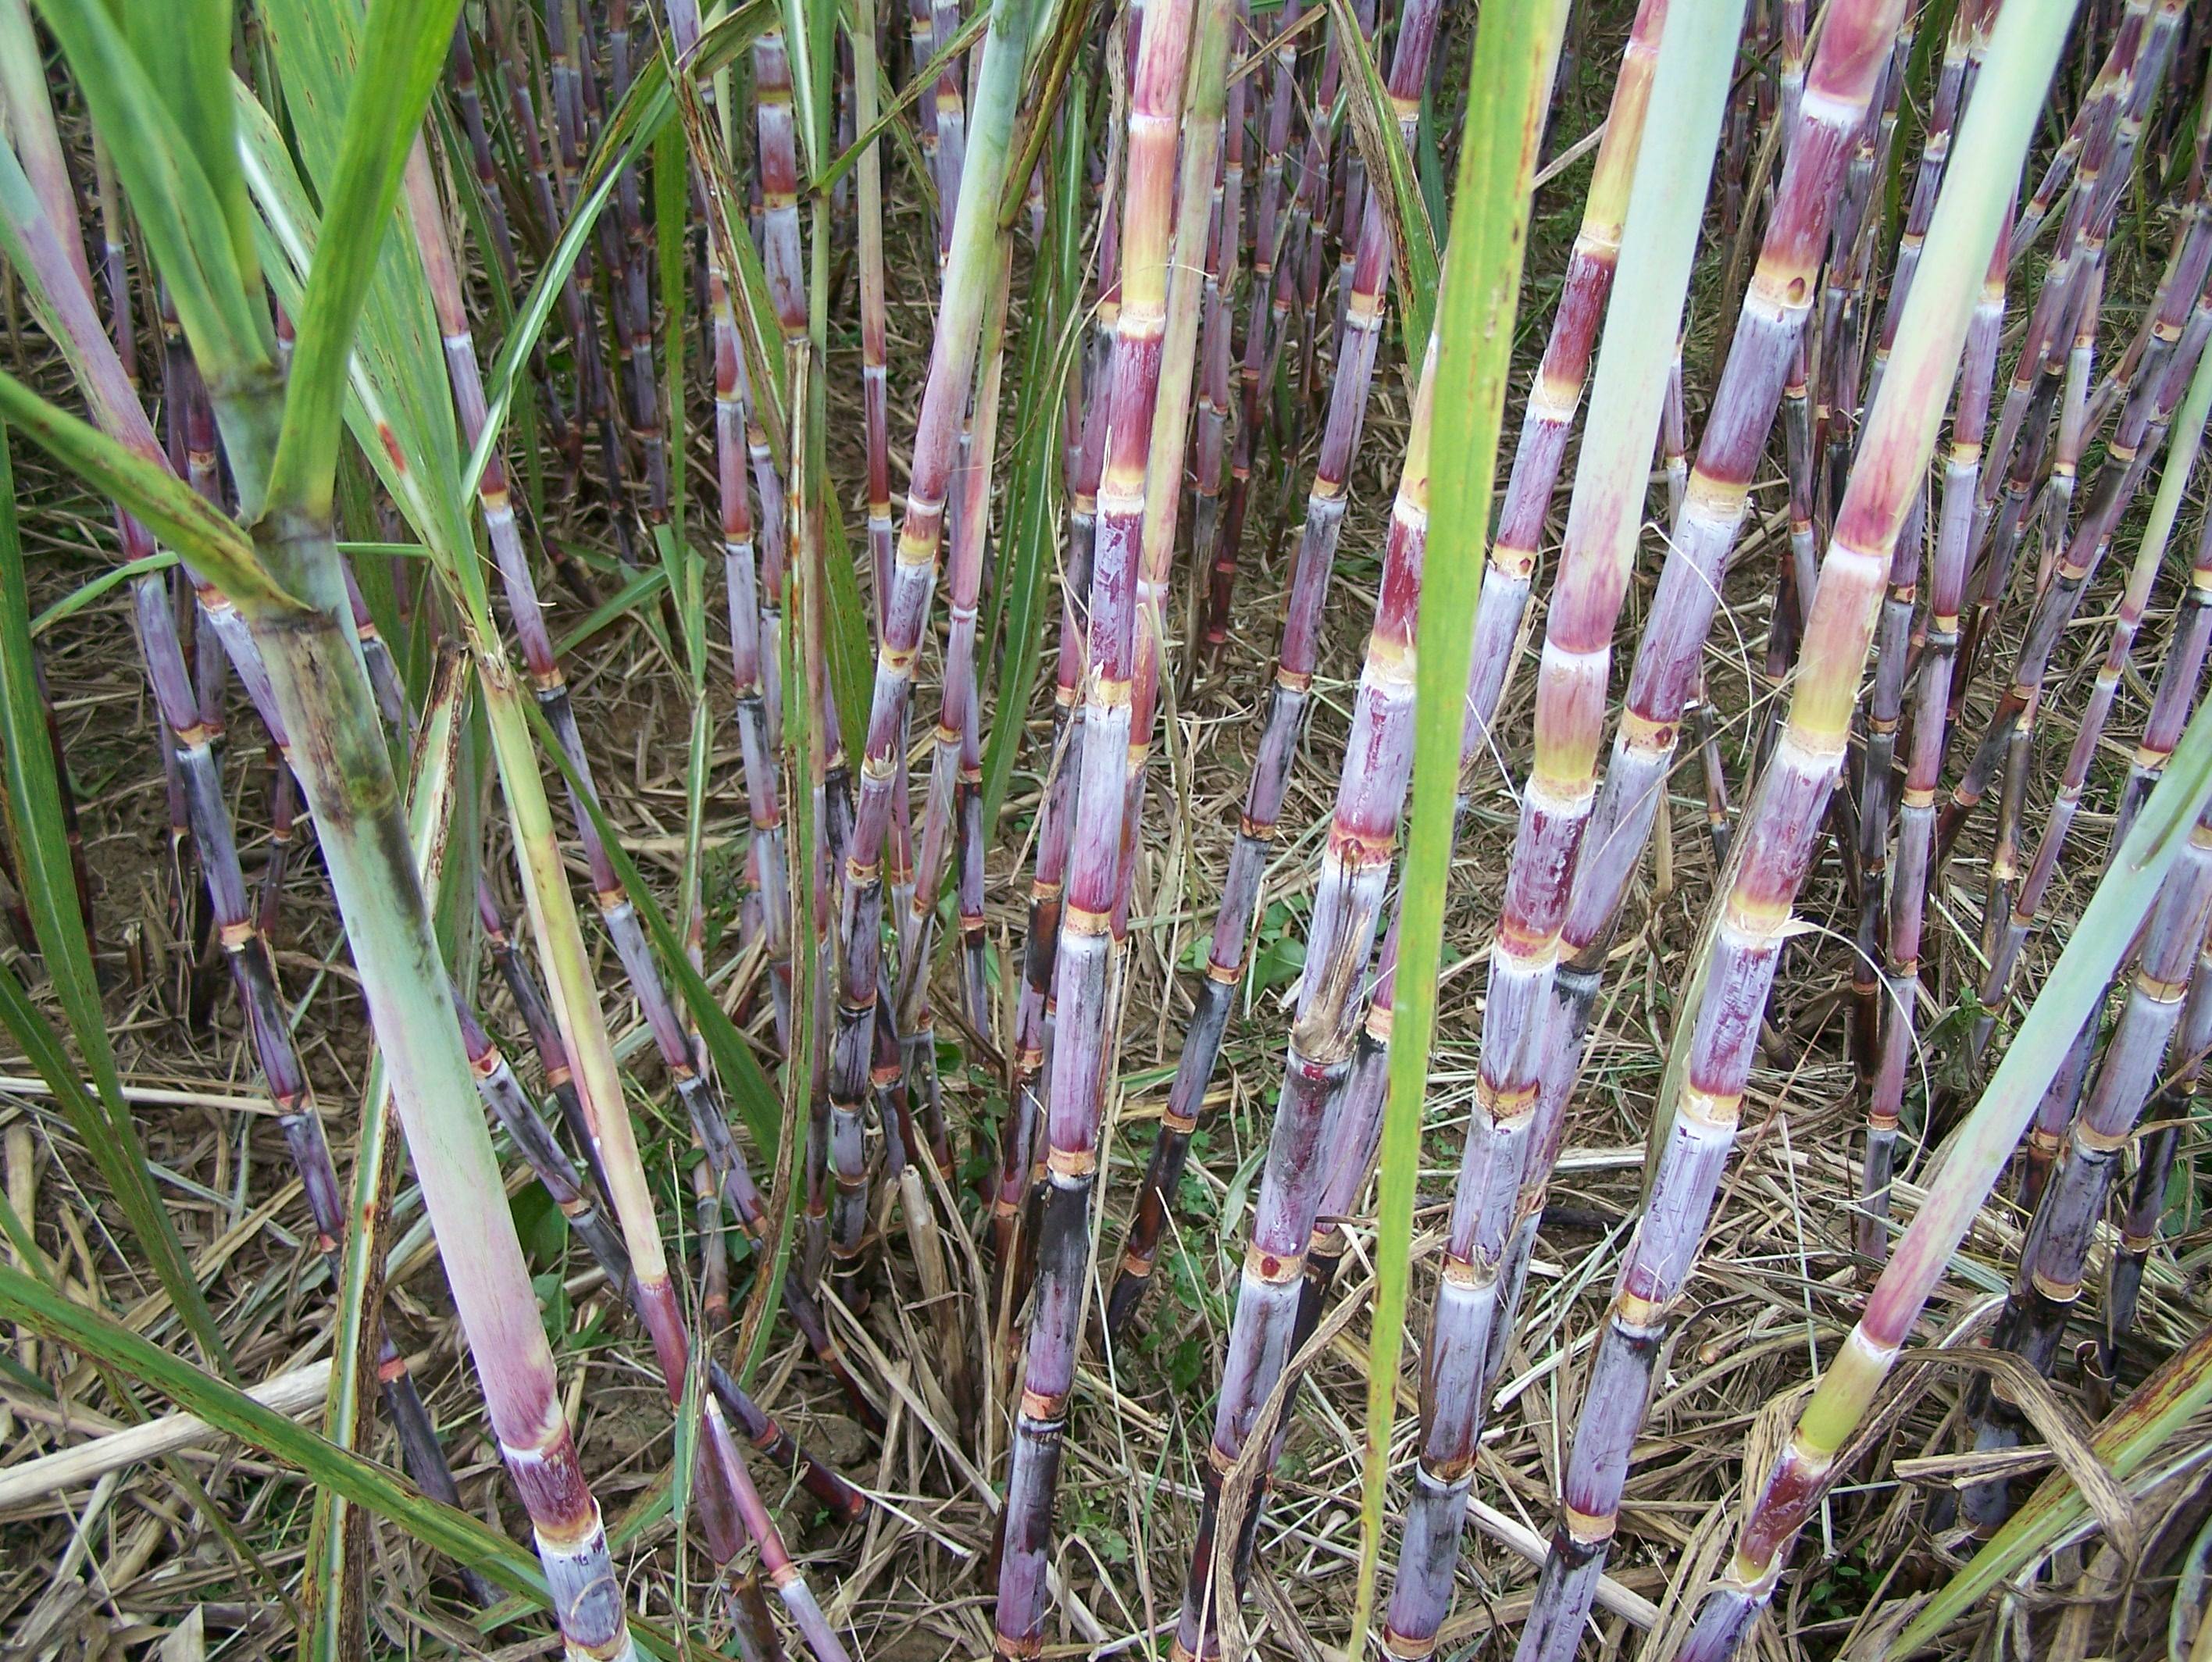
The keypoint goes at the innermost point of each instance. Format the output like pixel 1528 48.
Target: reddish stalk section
pixel 1287 700
pixel 1565 366
pixel 1702 1091
pixel 1675 165
pixel 1767 347
pixel 1083 1039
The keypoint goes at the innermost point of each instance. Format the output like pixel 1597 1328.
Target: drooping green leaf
pixel 92 590
pixel 403 51
pixel 1398 190
pixel 47 882
pixel 181 211
pixel 170 508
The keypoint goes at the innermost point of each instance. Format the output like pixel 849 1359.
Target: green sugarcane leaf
pixel 403 51
pixel 398 404
pixel 1515 52
pixel 1022 597
pixel 649 581
pixel 185 47
pixel 46 878
pixel 742 1078
pixel 1057 50
pixel 850 645
pixel 170 508
pixel 465 1539
pixel 1390 175
pixel 181 210
pixel 86 593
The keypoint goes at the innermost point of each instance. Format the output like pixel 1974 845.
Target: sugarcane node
pixel 1043 1416
pixel 1588 1530
pixel 1273 1268
pixel 1406 1649
pixel 1071 1166
pixel 2062 1291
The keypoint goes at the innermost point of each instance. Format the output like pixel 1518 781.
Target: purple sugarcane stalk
pixel 1701 1092
pixel 2154 1156
pixel 1218 558
pixel 1325 502
pixel 1908 885
pixel 1766 348
pixel 2136 439
pixel 702 1104
pixel 1565 366
pixel 1082 1038
pixel 969 277
pixel 1674 166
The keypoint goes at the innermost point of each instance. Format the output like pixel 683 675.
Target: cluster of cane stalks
pixel 401 331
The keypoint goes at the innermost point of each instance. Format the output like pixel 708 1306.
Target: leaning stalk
pixel 1702 1090
pixel 1298 654
pixel 1673 167
pixel 1559 377
pixel 970 276
pixel 1806 1466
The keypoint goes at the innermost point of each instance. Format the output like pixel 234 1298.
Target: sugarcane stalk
pixel 1219 557
pixel 510 1106
pixel 741 579
pixel 2136 440
pixel 2163 316
pixel 1291 693
pixel 975 256
pixel 1675 166
pixel 2107 162
pixel 1701 1091
pixel 1082 1040
pixel 1808 1461
pixel 2069 1199
pixel 1557 390
pixel 1997 982
pixel 725 1493
pixel 1908 885
pixel 63 285
pixel 617 912
pixel 1224 253
pixel 1203 110
pixel 315 674
pixel 1034 1011
pixel 2180 667
pixel 1768 344
pixel 961 693
pixel 2154 1159
pixel 2048 1281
